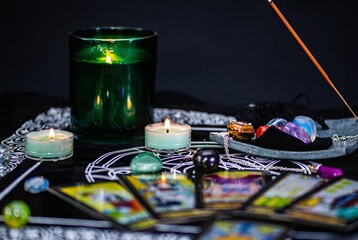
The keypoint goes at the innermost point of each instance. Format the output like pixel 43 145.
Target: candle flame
pixel 163 179
pixel 108 59
pixel 109 56
pixel 51 134
pixel 167 123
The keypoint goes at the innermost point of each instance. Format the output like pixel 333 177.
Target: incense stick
pixel 307 51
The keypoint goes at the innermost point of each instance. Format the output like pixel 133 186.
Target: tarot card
pixel 165 195
pixel 108 200
pixel 336 204
pixel 282 192
pixel 230 189
pixel 236 229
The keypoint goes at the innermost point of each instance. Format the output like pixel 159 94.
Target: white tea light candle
pixel 167 136
pixel 49 145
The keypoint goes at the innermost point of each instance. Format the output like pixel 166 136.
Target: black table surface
pixel 18 107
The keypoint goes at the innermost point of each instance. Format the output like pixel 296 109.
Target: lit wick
pixel 167 125
pixel 51 134
pixel 324 74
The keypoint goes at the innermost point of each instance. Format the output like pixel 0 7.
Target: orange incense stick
pixel 324 74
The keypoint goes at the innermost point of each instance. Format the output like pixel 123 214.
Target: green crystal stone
pixel 146 162
pixel 16 214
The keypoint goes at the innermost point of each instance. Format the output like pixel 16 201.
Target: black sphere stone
pixel 206 159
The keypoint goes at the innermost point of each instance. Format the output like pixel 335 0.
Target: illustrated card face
pixel 285 191
pixel 165 192
pixel 336 203
pixel 246 230
pixel 229 189
pixel 111 200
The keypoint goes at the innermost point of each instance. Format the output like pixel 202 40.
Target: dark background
pixel 223 52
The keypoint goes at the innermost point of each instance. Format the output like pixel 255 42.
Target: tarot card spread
pixel 166 195
pixel 335 204
pixel 286 189
pixel 230 189
pixel 110 200
pixel 235 229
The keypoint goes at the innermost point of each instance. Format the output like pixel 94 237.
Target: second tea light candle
pixel 167 136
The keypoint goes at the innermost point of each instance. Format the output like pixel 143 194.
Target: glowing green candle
pixel 112 83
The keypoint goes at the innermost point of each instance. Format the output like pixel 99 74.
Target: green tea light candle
pixel 49 145
pixel 167 136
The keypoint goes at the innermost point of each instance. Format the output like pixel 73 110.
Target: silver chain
pixel 266 168
pixel 337 138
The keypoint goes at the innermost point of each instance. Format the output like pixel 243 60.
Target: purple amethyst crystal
pixel 296 131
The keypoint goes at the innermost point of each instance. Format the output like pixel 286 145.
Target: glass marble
pixel 16 214
pixel 307 124
pixel 206 160
pixel 277 122
pixel 36 184
pixel 146 162
pixel 296 131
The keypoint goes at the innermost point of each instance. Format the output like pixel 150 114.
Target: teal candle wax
pixel 112 83
pixel 49 145
pixel 158 137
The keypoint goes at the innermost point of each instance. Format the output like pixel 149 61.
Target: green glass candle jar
pixel 112 83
